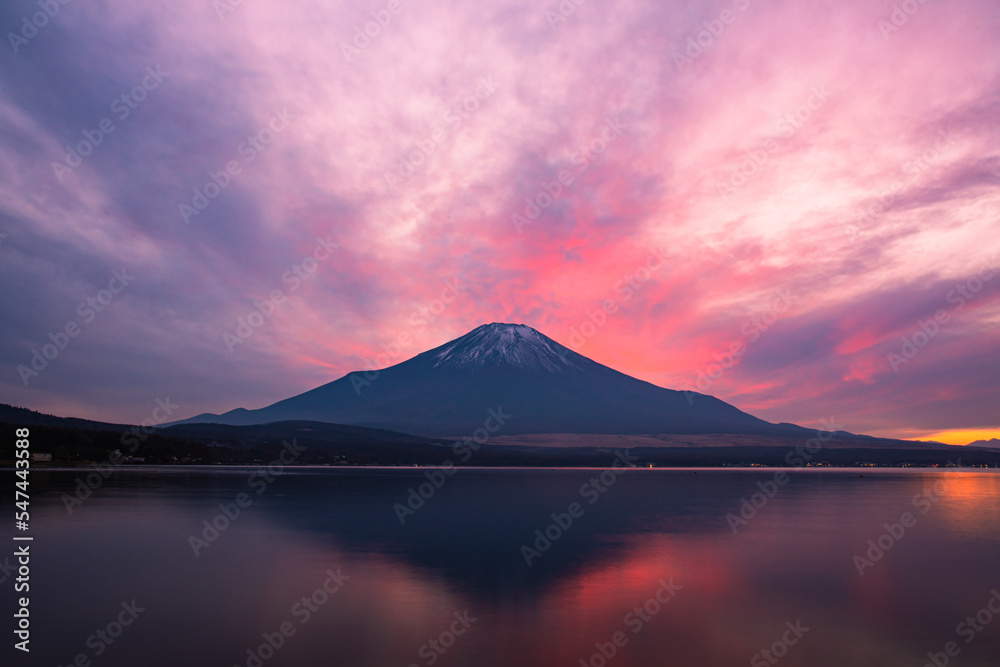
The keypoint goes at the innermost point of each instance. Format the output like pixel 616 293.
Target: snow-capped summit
pixel 498 343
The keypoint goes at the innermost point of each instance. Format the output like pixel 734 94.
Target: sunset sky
pixel 717 163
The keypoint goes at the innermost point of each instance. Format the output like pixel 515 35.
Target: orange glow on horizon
pixel 962 436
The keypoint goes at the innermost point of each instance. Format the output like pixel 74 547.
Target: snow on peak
pixel 499 344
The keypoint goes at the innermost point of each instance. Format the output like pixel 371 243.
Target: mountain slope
pixel 10 414
pixel 543 386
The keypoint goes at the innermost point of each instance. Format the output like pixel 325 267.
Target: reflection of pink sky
pixel 654 187
pixel 738 592
pixel 791 562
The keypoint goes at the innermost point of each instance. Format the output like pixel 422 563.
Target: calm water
pixel 455 572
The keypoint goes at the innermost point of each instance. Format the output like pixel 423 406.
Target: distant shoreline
pixel 7 466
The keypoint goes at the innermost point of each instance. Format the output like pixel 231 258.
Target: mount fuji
pixel 542 387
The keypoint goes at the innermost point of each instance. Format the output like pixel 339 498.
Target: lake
pixel 397 567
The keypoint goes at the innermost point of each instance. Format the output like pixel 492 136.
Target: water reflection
pixel 457 564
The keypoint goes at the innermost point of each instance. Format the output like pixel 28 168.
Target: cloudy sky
pixel 654 183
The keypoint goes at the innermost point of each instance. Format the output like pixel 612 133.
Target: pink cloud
pixel 835 114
